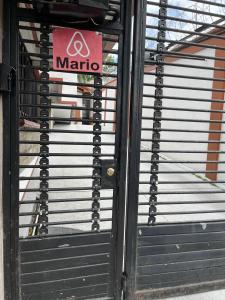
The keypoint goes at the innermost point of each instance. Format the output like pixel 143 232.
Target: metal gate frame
pixel 125 241
pixel 11 153
pixel 131 244
pixel 134 147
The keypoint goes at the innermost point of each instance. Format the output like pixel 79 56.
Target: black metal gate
pixel 97 209
pixel 176 213
pixel 69 151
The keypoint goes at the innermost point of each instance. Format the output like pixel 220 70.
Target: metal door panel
pixel 69 232
pixel 106 211
pixel 175 222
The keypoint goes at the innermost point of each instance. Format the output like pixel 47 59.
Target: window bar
pixel 96 185
pixel 157 114
pixel 44 125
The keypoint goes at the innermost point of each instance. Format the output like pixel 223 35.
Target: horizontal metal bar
pixel 210 182
pixel 50 47
pixel 116 2
pixel 54 212
pixel 176 7
pixel 33 28
pixel 188 21
pixel 186 98
pixel 197 192
pixel 56 178
pixel 50 57
pixel 186 141
pixel 194 33
pixel 25 202
pixel 190 66
pixel 184 130
pixel 28 129
pixel 209 2
pixel 79 84
pixel 186 120
pixel 64 107
pixel 207 46
pixel 63 223
pixel 185 109
pixel 185 213
pixel 50 44
pixel 180 222
pixel 55 166
pixel 178 87
pixel 63 189
pixel 66 119
pixel 184 151
pixel 104 74
pixel 183 55
pixel 184 172
pixel 68 154
pixel 65 143
pixel 183 202
pixel 186 77
pixel 91 97
pixel 183 162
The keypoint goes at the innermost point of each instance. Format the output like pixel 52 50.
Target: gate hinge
pixel 124 282
pixel 6 74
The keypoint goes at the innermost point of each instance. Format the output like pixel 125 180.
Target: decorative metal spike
pixel 159 60
pixel 44 125
pixel 96 185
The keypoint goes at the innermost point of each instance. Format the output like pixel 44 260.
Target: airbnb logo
pixel 77 50
pixel 78 46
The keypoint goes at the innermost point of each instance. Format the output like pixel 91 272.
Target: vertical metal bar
pixel 157 113
pixel 96 185
pixel 10 155
pixel 134 145
pixel 44 137
pixel 121 147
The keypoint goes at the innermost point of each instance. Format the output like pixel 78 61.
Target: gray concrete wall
pixel 1 138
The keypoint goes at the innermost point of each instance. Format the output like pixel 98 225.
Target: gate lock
pixel 108 174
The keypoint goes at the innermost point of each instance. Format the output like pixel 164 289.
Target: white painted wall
pixel 183 104
pixel 1 137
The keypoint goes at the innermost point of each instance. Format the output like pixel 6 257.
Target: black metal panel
pixel 56 265
pixel 64 252
pixel 64 263
pixel 68 284
pixel 94 292
pixel 173 255
pixel 66 240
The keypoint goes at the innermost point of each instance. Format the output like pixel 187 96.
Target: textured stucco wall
pixel 1 214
